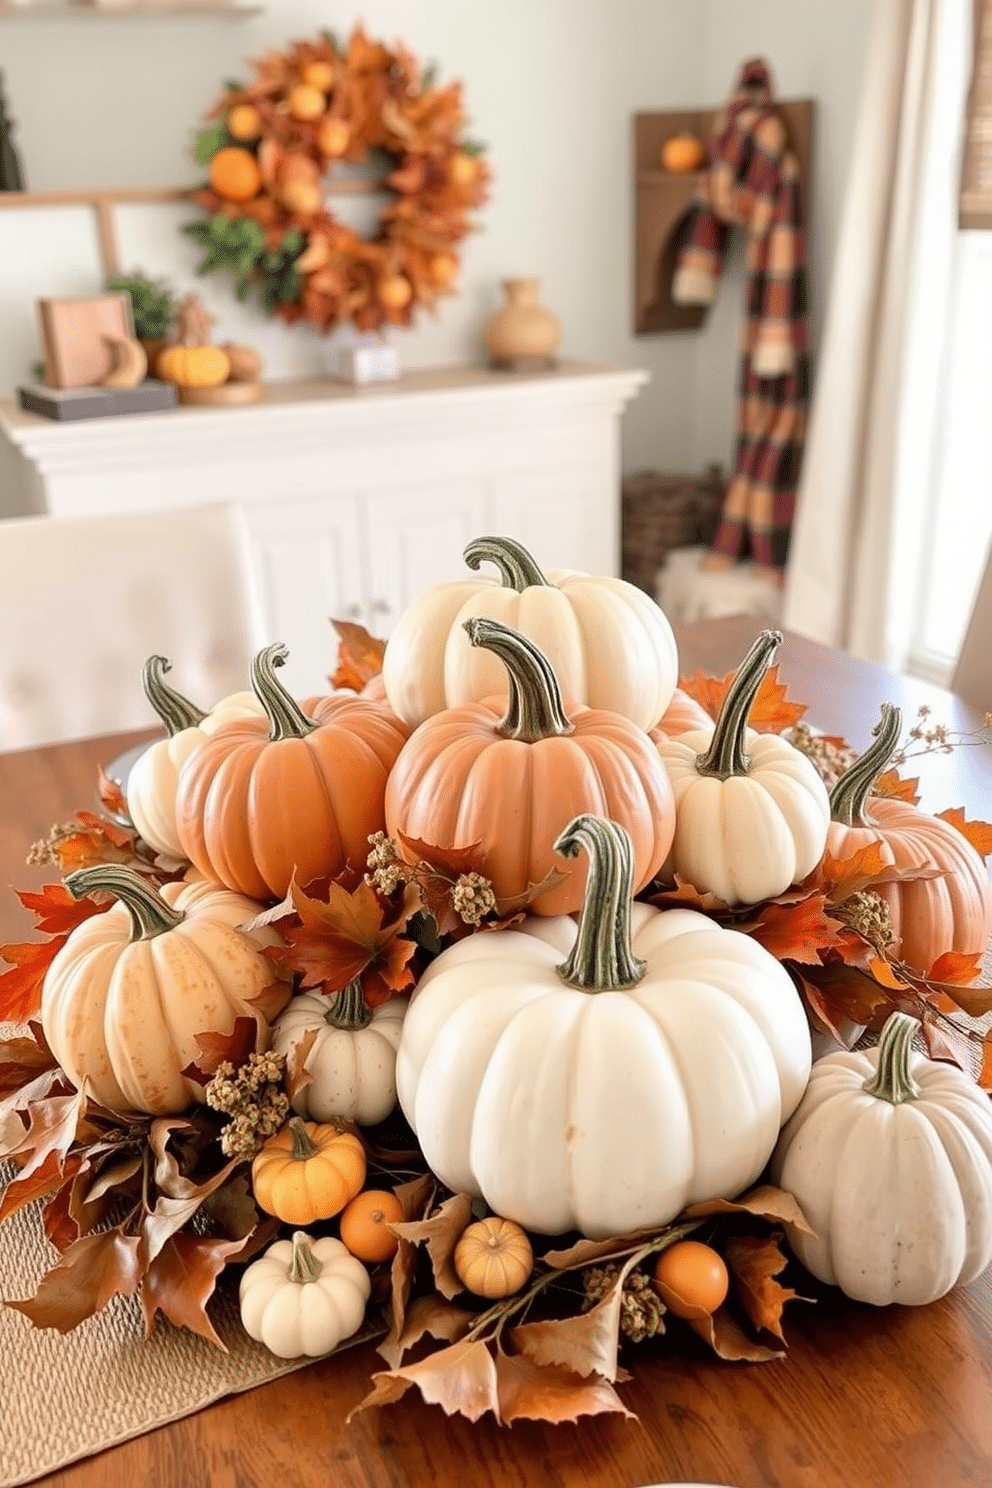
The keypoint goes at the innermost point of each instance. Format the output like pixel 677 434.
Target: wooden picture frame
pixel 77 336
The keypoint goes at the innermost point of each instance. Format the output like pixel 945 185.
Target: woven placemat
pixel 67 1396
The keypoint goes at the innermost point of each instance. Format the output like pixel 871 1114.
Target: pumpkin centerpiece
pixel 608 642
pixel 126 996
pixel 603 1075
pixel 890 1156
pixel 751 813
pixel 154 776
pixel 951 911
pixel 296 793
pixel 510 776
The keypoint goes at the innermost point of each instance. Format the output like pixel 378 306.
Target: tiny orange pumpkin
pixel 493 1257
pixel 308 1171
pixel 365 1221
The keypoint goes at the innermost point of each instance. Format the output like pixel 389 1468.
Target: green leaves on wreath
pixel 210 139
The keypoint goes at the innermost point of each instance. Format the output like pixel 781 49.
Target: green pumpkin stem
pixel 849 797
pixel 175 711
pixel 304 1147
pixel 892 1080
pixel 602 958
pixel 517 569
pixel 150 914
pixel 305 1266
pixel 287 719
pixel 727 755
pixel 535 709
pixel 349 1009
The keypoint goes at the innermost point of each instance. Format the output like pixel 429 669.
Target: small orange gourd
pixel 691 1278
pixel 193 366
pixel 234 173
pixel 493 1257
pixel 308 1171
pixel 365 1221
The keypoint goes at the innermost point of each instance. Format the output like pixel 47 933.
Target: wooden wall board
pixel 662 201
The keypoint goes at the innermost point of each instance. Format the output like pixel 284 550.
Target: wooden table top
pixel 866 1398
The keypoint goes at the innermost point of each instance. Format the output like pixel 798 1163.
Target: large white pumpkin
pixel 890 1156
pixel 609 643
pixel 600 1077
pixel 352 1061
pixel 152 782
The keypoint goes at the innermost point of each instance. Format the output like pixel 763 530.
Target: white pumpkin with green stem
pixel 125 998
pixel 352 1060
pixel 609 643
pixel 303 1297
pixel 890 1157
pixel 751 813
pixel 151 785
pixel 600 1076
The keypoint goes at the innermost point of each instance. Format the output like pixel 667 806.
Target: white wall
pixel 551 86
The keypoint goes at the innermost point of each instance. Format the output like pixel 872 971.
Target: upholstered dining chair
pixel 972 678
pixel 85 600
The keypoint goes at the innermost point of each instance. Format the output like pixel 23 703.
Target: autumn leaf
pixel 764 1202
pixel 52 1128
pixel 440 1232
pixel 21 987
pixel 584 1344
pixel 180 1281
pixel 98 840
pixel 428 1315
pixel 948 1044
pixel 956 969
pixel 359 656
pixel 891 784
pixel 728 1340
pixel 94 1269
pixel 350 935
pixel 111 796
pixel 45 1179
pixel 771 712
pixel 985 1073
pixel 56 911
pixel 796 932
pixel 845 992
pixel 416 1198
pixel 527 1391
pixel 885 975
pixel 978 833
pixel 755 1262
pixel 685 895
pixel 220 1048
pixel 21 1059
pixel 298 1077
pixel 461 1379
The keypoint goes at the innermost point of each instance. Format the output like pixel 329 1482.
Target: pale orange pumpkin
pixel 193 366
pixel 493 1257
pixel 682 714
pixel 296 793
pixel 307 1171
pixel 951 912
pixel 511 777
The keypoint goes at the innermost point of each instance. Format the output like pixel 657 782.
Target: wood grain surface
pixel 866 1398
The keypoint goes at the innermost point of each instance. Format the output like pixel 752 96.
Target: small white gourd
pixel 890 1157
pixel 352 1060
pixel 304 1296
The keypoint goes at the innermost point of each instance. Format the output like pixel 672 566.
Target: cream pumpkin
pixel 609 643
pixel 352 1060
pixel 154 777
pixel 890 1156
pixel 304 1296
pixel 751 813
pixel 126 996
pixel 601 1076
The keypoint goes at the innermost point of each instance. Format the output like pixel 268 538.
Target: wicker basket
pixel 662 512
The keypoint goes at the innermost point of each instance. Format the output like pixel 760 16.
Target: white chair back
pixel 972 679
pixel 85 600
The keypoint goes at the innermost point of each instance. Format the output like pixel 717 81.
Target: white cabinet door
pixel 559 515
pixel 310 568
pixel 416 537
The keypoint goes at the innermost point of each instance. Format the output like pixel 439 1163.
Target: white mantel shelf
pixel 357 498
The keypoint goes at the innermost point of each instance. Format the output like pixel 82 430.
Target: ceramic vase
pixel 523 331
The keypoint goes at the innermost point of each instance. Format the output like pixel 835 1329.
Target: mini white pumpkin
pixel 890 1156
pixel 609 643
pixel 151 784
pixel 352 1060
pixel 600 1077
pixel 304 1296
pixel 751 812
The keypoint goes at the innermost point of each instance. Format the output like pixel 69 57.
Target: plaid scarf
pixel 752 181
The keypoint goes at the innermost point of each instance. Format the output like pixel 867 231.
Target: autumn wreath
pixel 270 147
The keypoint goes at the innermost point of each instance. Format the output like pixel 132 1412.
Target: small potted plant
pixel 153 307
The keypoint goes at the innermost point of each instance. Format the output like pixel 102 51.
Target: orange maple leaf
pixel 978 833
pixel 20 988
pixel 797 932
pixel 359 656
pixel 56 910
pixel 985 1074
pixel 350 935
pixel 771 712
pixel 890 783
pixel 955 968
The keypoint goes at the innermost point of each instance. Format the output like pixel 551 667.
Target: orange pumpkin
pixel 193 366
pixel 307 1171
pixel 297 792
pixel 234 173
pixel 682 714
pixel 682 154
pixel 365 1221
pixel 512 777
pixel 952 912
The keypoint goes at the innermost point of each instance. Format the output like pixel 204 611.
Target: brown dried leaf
pixel 755 1261
pixel 441 1232
pixel 21 987
pixel 359 656
pixel 461 1379
pixel 846 991
pixel 218 1048
pixel 947 1043
pixel 584 1344
pixel 94 1269
pixel 978 833
pixel 416 1198
pixel 511 908
pixel 528 1392
pixel 685 896
pixel 23 1059
pixel 112 798
pixel 431 1315
pixel 350 935
pixel 975 1001
pixel 796 932
pixel 47 1178
pixel 764 1202
pixel 985 1073
pixel 298 1077
pixel 180 1281
pixel 52 1128
pixel 729 1341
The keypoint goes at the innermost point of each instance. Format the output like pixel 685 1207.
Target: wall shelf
pixel 662 202
pixel 63 10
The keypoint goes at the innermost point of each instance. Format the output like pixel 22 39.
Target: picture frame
pixel 77 336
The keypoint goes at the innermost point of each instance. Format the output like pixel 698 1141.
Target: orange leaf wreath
pixel 367 116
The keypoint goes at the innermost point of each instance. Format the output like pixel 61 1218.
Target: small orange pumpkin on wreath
pixel 271 146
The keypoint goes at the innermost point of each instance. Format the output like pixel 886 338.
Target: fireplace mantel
pixel 356 498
